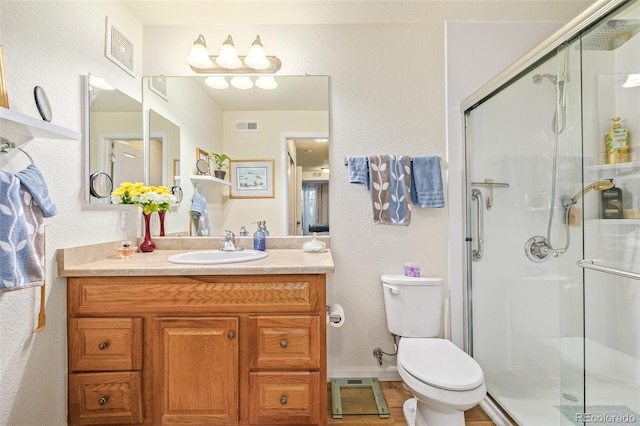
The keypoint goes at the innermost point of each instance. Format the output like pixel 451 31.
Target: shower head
pixel 611 34
pixel 600 185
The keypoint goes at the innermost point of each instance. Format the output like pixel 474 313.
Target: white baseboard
pixel 384 374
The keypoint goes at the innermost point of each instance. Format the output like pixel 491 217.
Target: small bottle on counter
pixel 259 238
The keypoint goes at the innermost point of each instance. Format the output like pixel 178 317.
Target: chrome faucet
pixel 229 242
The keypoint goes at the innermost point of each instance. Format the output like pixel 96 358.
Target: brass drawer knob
pixel 231 335
pixel 283 343
pixel 283 400
pixel 102 400
pixel 103 345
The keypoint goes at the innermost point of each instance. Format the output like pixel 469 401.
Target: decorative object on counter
pixel 252 179
pixel 411 269
pixel 161 214
pixel 202 161
pixel 4 96
pixel 314 246
pixel 220 159
pixel 126 249
pixel 616 143
pixel 151 199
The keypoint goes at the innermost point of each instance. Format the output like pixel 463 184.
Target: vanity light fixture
pixel 242 82
pixel 216 82
pixel 228 61
pixel 266 82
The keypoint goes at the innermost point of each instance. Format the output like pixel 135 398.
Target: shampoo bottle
pixel 258 238
pixel 612 203
pixel 617 143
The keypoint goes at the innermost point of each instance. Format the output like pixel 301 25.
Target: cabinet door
pixel 195 369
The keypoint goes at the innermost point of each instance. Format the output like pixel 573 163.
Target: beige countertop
pixel 102 260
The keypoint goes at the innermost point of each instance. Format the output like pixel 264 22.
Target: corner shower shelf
pixel 607 171
pixel 211 179
pixel 19 128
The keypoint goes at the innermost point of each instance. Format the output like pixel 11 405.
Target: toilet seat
pixel 439 363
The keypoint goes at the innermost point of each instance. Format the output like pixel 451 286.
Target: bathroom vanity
pixel 156 343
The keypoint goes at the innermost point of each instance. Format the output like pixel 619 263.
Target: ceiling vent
pixel 118 48
pixel 247 126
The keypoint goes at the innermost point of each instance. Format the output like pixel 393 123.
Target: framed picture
pixel 4 96
pixel 202 161
pixel 252 179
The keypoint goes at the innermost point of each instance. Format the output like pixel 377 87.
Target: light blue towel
pixel 359 170
pixel 426 182
pixel 33 180
pixel 200 215
pixel 390 180
pixel 15 243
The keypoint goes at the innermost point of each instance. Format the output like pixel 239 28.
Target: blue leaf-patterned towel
pixel 15 244
pixel 390 189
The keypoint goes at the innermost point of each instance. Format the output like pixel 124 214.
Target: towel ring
pixel 5 145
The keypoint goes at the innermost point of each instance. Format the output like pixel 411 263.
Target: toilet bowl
pixel 443 379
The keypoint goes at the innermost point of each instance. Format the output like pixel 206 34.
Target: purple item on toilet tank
pixel 411 269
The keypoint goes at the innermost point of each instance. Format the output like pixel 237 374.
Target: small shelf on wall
pixel 209 179
pixel 19 128
pixel 610 171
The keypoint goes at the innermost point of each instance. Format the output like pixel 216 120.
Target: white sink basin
pixel 216 257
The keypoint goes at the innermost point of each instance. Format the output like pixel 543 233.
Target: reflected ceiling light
pixel 216 82
pixel 324 169
pixel 199 57
pixel 322 140
pixel 633 80
pixel 99 83
pixel 266 82
pixel 228 61
pixel 242 82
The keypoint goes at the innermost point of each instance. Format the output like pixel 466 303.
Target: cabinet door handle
pixel 103 400
pixel 283 343
pixel 103 345
pixel 231 335
pixel 283 400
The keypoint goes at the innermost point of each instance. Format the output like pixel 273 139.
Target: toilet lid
pixel 439 363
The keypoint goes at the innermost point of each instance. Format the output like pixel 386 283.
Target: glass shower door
pixel 524 155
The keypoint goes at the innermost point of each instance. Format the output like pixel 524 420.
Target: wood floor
pixel 395 395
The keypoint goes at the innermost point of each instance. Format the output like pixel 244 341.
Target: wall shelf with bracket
pixel 208 179
pixel 19 128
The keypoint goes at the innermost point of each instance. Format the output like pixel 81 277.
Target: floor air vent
pixel 247 126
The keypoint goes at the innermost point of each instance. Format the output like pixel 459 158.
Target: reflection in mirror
pixel 164 149
pixel 113 140
pixel 289 125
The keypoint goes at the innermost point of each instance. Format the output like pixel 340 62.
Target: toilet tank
pixel 413 305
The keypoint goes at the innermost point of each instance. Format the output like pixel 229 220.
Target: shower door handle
pixel 476 195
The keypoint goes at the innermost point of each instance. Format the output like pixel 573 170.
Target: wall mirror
pixel 289 124
pixel 113 137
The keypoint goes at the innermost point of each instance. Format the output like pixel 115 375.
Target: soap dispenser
pixel 258 238
pixel 264 228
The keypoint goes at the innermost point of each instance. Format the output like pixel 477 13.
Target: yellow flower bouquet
pixel 150 198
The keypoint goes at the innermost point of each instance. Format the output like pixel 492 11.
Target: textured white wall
pixel 387 96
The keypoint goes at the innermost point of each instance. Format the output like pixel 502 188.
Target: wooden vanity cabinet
pixel 214 350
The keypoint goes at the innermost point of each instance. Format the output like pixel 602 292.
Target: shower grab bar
pixel 591 264
pixel 489 183
pixel 476 195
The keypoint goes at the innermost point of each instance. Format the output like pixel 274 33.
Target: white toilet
pixel 444 380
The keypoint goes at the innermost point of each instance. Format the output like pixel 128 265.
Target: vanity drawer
pixel 285 342
pixel 105 344
pixel 105 398
pixel 284 397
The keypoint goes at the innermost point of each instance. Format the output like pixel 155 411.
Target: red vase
pixel 161 217
pixel 147 245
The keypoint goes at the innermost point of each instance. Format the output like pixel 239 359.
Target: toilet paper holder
pixel 333 317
